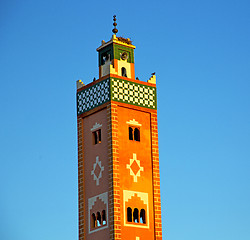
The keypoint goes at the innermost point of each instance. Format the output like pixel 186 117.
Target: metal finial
pixel 115 30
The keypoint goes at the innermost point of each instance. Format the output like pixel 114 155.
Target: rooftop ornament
pixel 125 40
pixel 115 30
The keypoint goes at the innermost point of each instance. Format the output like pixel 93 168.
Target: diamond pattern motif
pixel 97 170
pixel 134 167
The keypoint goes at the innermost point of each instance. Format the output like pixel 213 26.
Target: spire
pixel 115 30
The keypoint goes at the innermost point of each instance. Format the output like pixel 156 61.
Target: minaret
pixel 118 162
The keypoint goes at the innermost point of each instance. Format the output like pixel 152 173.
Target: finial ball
pixel 115 30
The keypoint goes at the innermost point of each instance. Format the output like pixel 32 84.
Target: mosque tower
pixel 118 160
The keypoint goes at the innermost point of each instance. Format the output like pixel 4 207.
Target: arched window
pixel 93 221
pixel 124 72
pixel 104 217
pixel 142 216
pixel 137 134
pixel 129 214
pixel 136 215
pixel 134 134
pixel 130 130
pixel 99 220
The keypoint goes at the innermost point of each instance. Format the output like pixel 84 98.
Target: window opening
pixel 99 220
pixel 137 134
pixel 97 136
pixel 142 216
pixel 129 214
pixel 124 72
pixel 134 134
pixel 135 215
pixel 105 58
pixel 93 221
pixel 130 129
pixel 100 135
pixel 104 217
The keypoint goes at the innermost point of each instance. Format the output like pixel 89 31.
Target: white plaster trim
pixel 125 64
pixel 97 178
pixel 127 195
pixel 96 126
pixel 141 169
pixel 91 202
pixel 134 123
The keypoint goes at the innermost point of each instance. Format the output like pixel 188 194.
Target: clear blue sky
pixel 200 51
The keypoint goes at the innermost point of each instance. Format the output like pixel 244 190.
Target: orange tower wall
pixel 117 149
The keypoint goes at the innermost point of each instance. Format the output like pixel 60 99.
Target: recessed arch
pixel 93 221
pixel 104 221
pixel 131 130
pixel 124 72
pixel 137 134
pixel 98 219
pixel 143 216
pixel 129 214
pixel 136 215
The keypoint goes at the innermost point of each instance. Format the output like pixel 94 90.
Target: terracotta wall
pixel 96 175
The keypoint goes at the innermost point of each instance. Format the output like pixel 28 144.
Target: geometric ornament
pixel 91 203
pixel 93 96
pixel 133 123
pixel 118 90
pixel 128 199
pixel 135 167
pixel 133 93
pixel 97 170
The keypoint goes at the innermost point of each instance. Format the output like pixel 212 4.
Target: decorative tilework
pixel 133 93
pixel 93 96
pixel 118 90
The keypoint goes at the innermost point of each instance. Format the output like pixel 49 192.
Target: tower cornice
pixel 115 40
